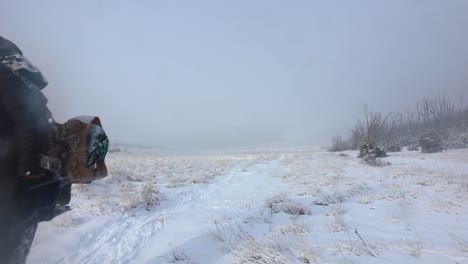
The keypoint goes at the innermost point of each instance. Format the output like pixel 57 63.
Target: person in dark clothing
pixel 24 140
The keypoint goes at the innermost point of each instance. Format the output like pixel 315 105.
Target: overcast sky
pixel 215 74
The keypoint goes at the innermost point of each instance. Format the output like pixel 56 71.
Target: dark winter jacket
pixel 24 127
pixel 24 138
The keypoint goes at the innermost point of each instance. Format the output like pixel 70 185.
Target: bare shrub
pixel 338 144
pixel 371 129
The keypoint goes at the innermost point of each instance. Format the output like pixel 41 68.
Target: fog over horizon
pixel 191 75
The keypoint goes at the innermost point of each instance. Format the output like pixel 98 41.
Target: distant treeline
pixel 440 114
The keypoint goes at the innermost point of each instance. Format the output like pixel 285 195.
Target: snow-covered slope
pixel 294 206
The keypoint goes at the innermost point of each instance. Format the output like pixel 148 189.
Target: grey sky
pixel 211 74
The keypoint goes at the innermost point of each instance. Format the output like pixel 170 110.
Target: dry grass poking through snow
pixel 251 251
pixel 278 246
pixel 332 209
pixel 282 203
pixel 346 196
pixel 174 171
pixel 136 180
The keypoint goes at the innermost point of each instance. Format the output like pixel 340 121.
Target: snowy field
pixel 291 206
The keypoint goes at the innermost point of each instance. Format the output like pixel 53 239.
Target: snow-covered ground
pixel 290 206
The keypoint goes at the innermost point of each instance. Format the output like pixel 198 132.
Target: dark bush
pixel 430 142
pixel 368 149
pixel 395 147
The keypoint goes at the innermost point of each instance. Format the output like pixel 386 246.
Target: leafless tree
pixel 439 113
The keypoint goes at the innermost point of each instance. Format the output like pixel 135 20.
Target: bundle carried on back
pixel 81 146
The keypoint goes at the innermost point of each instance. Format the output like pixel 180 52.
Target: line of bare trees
pixel 440 113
